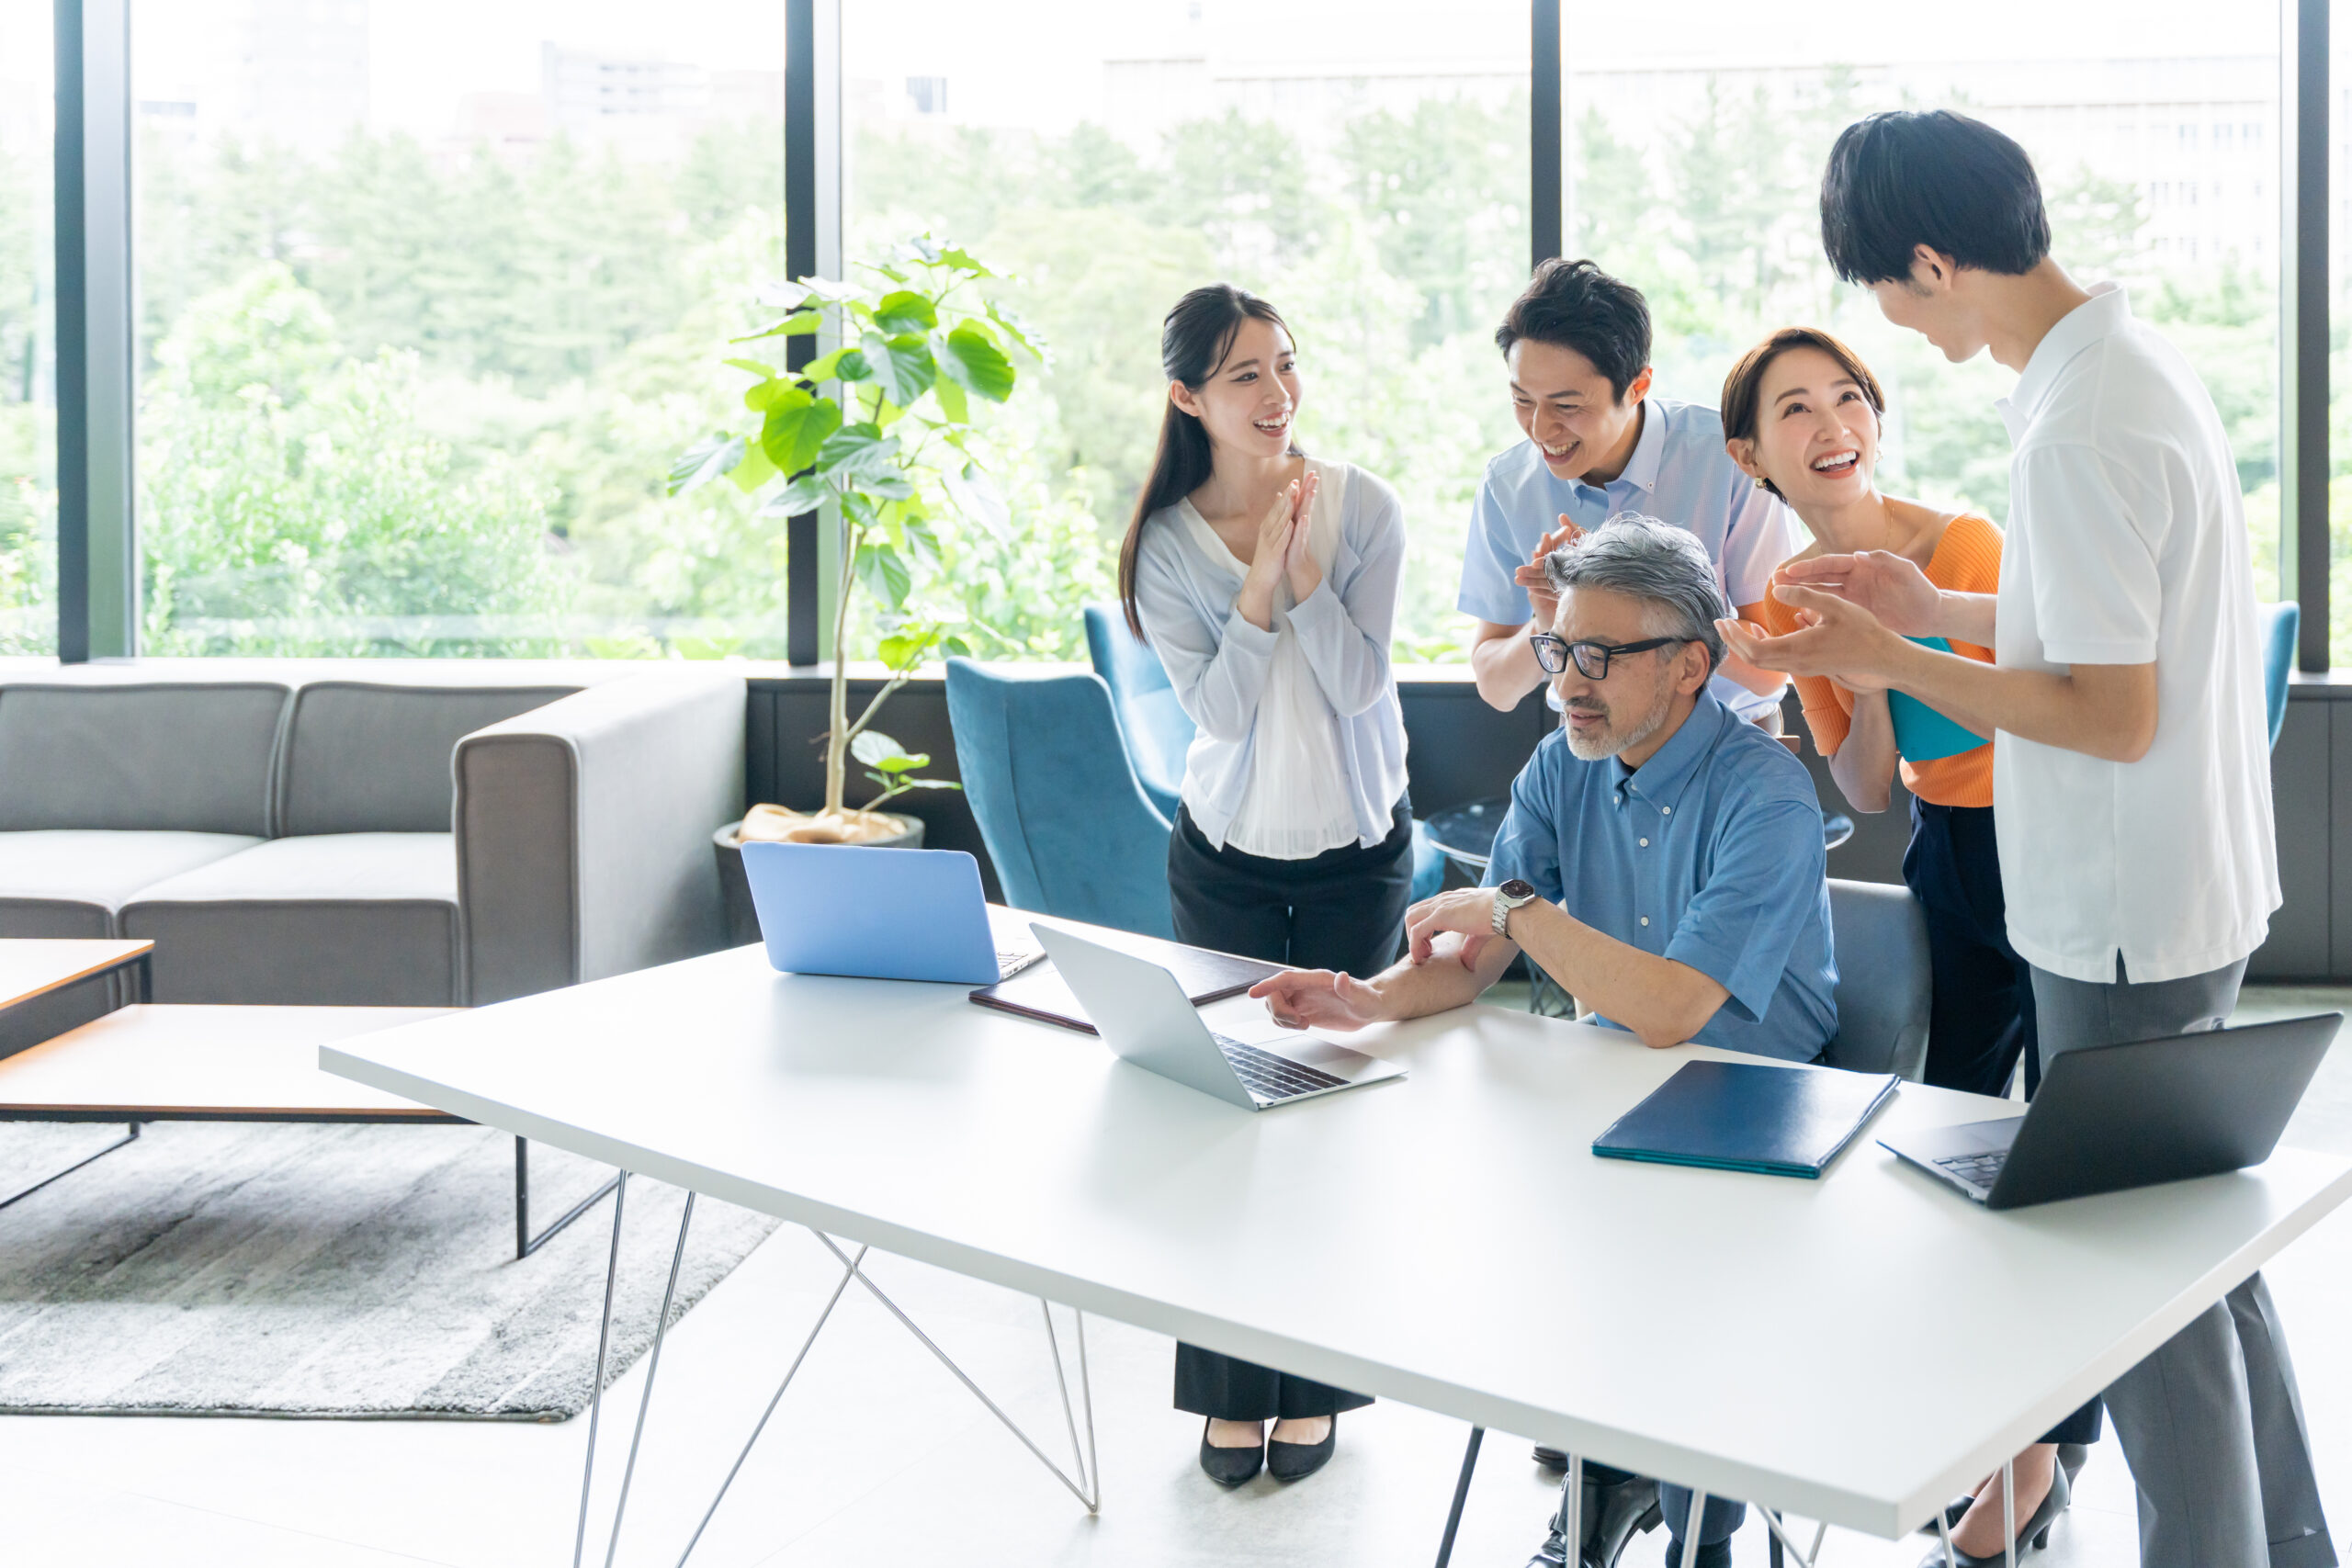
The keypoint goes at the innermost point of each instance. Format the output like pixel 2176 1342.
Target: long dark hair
pixel 1193 343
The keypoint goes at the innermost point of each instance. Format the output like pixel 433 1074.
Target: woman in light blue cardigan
pixel 1266 580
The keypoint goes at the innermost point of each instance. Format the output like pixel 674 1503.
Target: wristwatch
pixel 1509 896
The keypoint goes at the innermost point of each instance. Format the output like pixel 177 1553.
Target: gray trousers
pixel 2211 1423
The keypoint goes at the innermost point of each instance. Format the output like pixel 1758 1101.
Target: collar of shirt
pixel 1662 779
pixel 2104 312
pixel 1649 452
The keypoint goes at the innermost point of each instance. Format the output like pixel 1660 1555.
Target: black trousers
pixel 1980 1020
pixel 1342 910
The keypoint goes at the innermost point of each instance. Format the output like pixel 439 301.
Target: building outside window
pixel 429 297
pixel 1696 157
pixel 27 331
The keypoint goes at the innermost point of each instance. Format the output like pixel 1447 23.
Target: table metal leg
pixel 1690 1528
pixel 596 1390
pixel 1781 1538
pixel 653 1370
pixel 1572 1509
pixel 130 1135
pixel 1943 1533
pixel 1084 1461
pixel 2009 1510
pixel 790 1373
pixel 1092 1503
pixel 526 1243
pixel 1460 1495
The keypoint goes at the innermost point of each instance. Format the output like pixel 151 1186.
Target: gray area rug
pixel 224 1269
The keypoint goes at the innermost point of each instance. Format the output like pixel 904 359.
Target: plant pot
pixel 735 888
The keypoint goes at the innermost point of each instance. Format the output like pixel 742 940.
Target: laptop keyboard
pixel 1275 1077
pixel 1012 961
pixel 1977 1170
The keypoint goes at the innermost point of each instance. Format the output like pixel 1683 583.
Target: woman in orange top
pixel 1801 418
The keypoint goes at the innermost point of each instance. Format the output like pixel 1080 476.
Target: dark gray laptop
pixel 2113 1117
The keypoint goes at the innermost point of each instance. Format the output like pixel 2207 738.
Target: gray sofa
pixel 355 833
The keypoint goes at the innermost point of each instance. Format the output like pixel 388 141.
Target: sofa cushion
pixel 372 758
pixel 71 881
pixel 184 756
pixel 329 919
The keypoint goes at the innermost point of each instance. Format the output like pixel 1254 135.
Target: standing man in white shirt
pixel 1577 343
pixel 2131 776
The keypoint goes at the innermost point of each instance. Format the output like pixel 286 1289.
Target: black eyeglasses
pixel 1592 658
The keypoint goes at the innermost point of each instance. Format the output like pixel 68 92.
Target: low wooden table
pixel 34 966
pixel 182 1062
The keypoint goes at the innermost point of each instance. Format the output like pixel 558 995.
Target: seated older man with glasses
pixel 1661 859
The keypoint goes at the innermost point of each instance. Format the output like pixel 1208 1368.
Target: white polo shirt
pixel 2127 544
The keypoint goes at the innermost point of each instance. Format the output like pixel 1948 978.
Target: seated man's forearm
pixel 1966 617
pixel 1407 989
pixel 2102 710
pixel 1661 1001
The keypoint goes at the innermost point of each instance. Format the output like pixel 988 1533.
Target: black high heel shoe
pixel 2072 1457
pixel 1229 1467
pixel 1296 1461
pixel 2033 1533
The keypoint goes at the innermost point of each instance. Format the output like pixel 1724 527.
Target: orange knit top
pixel 1967 560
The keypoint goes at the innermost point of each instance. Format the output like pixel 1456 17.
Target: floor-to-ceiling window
pixel 1696 152
pixel 1363 165
pixel 429 296
pixel 27 331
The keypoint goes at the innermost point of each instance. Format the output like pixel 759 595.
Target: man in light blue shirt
pixel 1578 345
pixel 1661 859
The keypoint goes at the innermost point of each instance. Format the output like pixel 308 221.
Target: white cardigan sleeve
pixel 1344 626
pixel 1218 669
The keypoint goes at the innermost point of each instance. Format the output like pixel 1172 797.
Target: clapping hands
pixel 1282 553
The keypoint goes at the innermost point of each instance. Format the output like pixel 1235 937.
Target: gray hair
pixel 1645 559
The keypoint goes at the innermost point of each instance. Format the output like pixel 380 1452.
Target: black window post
pixel 2303 323
pixel 1545 142
pixel 812 226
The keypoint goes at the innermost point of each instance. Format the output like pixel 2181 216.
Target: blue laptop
pixel 882 914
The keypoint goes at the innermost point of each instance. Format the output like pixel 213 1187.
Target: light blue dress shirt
pixel 1678 473
pixel 1710 853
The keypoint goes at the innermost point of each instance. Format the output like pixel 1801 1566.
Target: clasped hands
pixel 1281 553
pixel 1852 613
pixel 1310 998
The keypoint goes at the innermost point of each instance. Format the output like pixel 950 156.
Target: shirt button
pixel 1646 843
pixel 1646 920
pixel 1669 810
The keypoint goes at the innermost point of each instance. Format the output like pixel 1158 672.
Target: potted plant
pixel 880 429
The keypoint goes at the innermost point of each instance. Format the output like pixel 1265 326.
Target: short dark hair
pixel 1743 387
pixel 1903 179
pixel 1574 304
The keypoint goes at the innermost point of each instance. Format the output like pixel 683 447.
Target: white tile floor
pixel 877 1457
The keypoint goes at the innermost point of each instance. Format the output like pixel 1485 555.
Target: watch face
pixel 1517 889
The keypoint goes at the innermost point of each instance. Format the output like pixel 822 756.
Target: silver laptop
pixel 1143 1014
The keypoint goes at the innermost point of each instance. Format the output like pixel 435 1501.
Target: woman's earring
pixel 1759 481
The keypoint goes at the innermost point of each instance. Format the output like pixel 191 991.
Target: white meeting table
pixel 1448 1240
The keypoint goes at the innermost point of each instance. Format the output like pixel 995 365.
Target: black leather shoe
pixel 1614 1512
pixel 2034 1532
pixel 1711 1554
pixel 1551 1459
pixel 1296 1461
pixel 1229 1467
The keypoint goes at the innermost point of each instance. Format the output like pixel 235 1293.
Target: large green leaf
pixel 794 433
pixel 1019 330
pixel 904 311
pixel 876 750
pixel 952 401
pixel 842 365
pixel 754 471
pixel 962 260
pixel 857 453
pixel 903 367
pixel 705 461
pixel 804 494
pixel 883 573
pixel 972 358
pixel 800 324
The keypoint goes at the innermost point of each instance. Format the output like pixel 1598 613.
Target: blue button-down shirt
pixel 1678 473
pixel 1710 853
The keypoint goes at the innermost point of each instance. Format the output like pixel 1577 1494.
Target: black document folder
pixel 1743 1116
pixel 1207 975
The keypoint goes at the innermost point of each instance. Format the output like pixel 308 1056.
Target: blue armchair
pixel 1158 732
pixel 1066 821
pixel 2279 624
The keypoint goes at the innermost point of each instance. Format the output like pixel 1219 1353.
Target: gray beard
pixel 1595 751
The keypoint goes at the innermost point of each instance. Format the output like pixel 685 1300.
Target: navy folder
pixel 1742 1116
